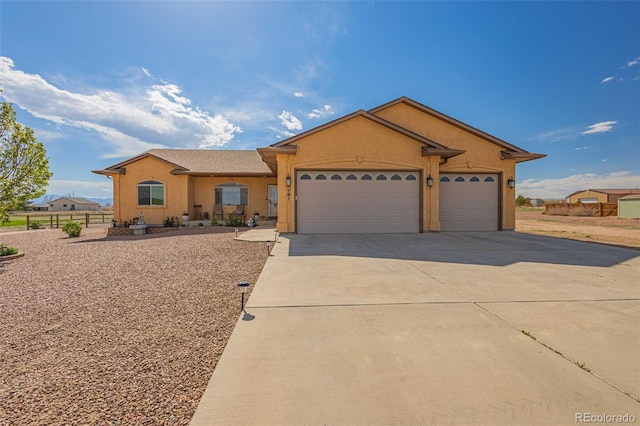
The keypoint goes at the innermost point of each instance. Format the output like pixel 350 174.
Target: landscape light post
pixel 242 286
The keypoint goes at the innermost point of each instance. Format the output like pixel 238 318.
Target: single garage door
pixel 357 202
pixel 469 202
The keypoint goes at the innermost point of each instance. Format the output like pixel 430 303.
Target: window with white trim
pixel 151 193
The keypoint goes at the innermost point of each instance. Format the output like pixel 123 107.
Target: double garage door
pixel 357 202
pixel 389 202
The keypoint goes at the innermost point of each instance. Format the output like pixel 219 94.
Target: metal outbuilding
pixel 629 207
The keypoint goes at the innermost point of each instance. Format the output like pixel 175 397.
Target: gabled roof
pixel 430 147
pixel 201 162
pixel 77 200
pixel 510 151
pixel 608 191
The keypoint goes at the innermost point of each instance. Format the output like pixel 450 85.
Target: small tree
pixel 24 166
pixel 520 201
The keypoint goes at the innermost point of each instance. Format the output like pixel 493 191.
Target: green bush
pixel 35 225
pixel 72 229
pixel 5 250
pixel 234 221
pixel 214 222
pixel 169 221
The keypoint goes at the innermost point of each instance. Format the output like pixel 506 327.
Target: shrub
pixel 169 221
pixel 35 225
pixel 234 221
pixel 214 222
pixel 5 250
pixel 72 229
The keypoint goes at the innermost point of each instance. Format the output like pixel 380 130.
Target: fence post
pixel 27 222
pixel 86 224
pixel 57 220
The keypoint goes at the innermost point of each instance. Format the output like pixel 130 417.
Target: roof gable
pixel 509 150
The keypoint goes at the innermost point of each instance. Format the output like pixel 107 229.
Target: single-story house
pixel 400 167
pixel 72 203
pixel 629 207
pixel 600 195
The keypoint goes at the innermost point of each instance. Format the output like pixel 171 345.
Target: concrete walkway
pixel 455 328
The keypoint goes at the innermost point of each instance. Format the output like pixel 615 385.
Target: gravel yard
pixel 116 330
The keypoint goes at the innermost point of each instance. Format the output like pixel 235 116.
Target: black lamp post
pixel 243 286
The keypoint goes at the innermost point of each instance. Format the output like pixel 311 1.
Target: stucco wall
pixel 182 192
pixel 360 143
pixel 125 191
pixel 480 155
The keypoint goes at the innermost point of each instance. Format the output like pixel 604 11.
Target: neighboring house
pixel 629 207
pixel 400 167
pixel 72 203
pixel 39 207
pixel 600 195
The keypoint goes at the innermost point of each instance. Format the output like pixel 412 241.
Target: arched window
pixel 336 177
pixel 396 177
pixel 445 179
pixel 381 177
pixel 459 179
pixel 365 177
pixel 410 177
pixel 352 177
pixel 474 179
pixel 151 193
pixel 305 177
pixel 489 179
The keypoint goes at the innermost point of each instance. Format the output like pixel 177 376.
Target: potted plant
pixel 185 218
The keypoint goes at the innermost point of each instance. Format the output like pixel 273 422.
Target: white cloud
pixel 132 120
pixel 580 148
pixel 556 135
pixel 317 113
pixel 562 187
pixel 607 79
pixel 81 188
pixel 602 127
pixel 298 95
pixel 290 121
pixel 633 62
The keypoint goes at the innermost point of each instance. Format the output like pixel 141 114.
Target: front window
pixel 150 193
pixel 232 195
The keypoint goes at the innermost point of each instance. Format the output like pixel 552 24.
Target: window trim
pixel 151 184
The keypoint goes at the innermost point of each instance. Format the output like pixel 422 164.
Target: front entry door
pixel 272 210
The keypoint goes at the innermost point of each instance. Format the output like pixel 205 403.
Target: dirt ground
pixel 605 230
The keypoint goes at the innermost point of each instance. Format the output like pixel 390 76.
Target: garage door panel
pixel 357 205
pixel 469 202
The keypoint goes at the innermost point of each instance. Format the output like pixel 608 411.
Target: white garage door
pixel 469 202
pixel 357 202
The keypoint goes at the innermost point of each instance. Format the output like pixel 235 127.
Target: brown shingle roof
pixel 204 162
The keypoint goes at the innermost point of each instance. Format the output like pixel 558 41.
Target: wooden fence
pixel 59 219
pixel 582 209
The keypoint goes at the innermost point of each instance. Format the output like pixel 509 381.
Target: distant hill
pixel 101 201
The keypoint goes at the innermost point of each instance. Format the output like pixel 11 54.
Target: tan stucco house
pixel 586 196
pixel 400 167
pixel 71 204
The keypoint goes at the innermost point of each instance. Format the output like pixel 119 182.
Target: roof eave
pixel 110 172
pixel 442 152
pixel 520 156
pixel 223 174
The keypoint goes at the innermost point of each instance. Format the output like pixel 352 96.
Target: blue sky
pixel 103 81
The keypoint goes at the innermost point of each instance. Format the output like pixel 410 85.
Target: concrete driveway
pixel 436 328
